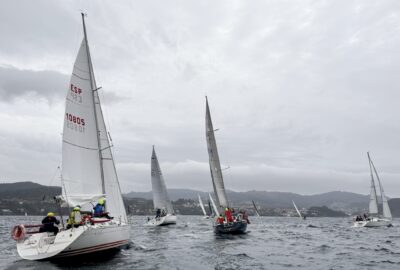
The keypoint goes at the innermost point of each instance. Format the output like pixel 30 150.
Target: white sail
pixel 216 212
pixel 81 171
pixel 373 200
pixel 385 205
pixel 88 169
pixel 297 210
pixel 215 166
pixel 202 205
pixel 160 195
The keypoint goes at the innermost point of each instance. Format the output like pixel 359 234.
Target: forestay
pixel 160 195
pixel 215 166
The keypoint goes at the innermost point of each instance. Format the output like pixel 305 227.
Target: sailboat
pixel 88 174
pixel 161 201
pixel 375 219
pixel 298 211
pixel 255 209
pixel 239 223
pixel 202 208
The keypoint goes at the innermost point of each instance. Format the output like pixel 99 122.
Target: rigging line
pixel 80 146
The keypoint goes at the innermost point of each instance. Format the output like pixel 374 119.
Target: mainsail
pixel 88 170
pixel 385 205
pixel 160 195
pixel 297 210
pixel 373 200
pixel 202 205
pixel 215 166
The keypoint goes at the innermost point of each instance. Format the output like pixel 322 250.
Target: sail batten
pixel 160 195
pixel 215 166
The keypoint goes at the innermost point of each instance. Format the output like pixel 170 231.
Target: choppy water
pixel 271 243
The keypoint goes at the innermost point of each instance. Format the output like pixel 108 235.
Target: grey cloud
pixel 16 83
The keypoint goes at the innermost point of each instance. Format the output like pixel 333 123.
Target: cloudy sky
pixel 300 90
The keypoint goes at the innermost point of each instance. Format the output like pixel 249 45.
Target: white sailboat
pixel 202 208
pixel 88 173
pixel 161 201
pixel 375 219
pixel 297 210
pixel 239 223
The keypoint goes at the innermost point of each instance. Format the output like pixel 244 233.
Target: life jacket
pixel 98 209
pixel 74 218
pixel 228 215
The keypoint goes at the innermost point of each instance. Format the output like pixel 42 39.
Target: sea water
pixel 270 243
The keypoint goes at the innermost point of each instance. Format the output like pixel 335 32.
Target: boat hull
pixel 162 221
pixel 76 241
pixel 237 227
pixel 375 222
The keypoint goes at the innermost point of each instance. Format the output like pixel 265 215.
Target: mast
pixel 93 86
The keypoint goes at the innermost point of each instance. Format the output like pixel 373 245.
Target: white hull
pixel 75 241
pixel 161 221
pixel 375 222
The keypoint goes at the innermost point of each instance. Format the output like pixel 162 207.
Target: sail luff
pixel 215 166
pixel 373 202
pixel 297 210
pixel 385 205
pixel 202 205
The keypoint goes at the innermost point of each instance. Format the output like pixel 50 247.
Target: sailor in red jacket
pixel 220 219
pixel 228 215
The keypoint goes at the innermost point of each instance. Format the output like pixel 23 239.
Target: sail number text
pixel 75 123
pixel 76 93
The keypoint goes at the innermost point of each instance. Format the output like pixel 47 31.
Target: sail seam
pixel 80 77
pixel 79 146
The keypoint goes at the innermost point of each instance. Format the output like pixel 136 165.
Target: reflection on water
pixel 271 243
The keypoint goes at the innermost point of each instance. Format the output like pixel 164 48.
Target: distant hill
pixel 338 200
pixel 21 197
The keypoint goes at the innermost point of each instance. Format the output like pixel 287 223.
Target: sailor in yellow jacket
pixel 75 218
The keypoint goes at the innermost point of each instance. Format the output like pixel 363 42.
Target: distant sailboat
pixel 202 208
pixel 88 174
pixel 234 226
pixel 165 213
pixel 297 210
pixel 255 208
pixel 375 219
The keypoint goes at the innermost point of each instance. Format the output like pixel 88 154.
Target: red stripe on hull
pixel 93 249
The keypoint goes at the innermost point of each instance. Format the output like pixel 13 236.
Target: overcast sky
pixel 300 90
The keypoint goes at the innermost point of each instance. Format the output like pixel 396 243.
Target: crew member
pixel 158 213
pixel 228 215
pixel 75 218
pixel 100 208
pixel 220 219
pixel 48 224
